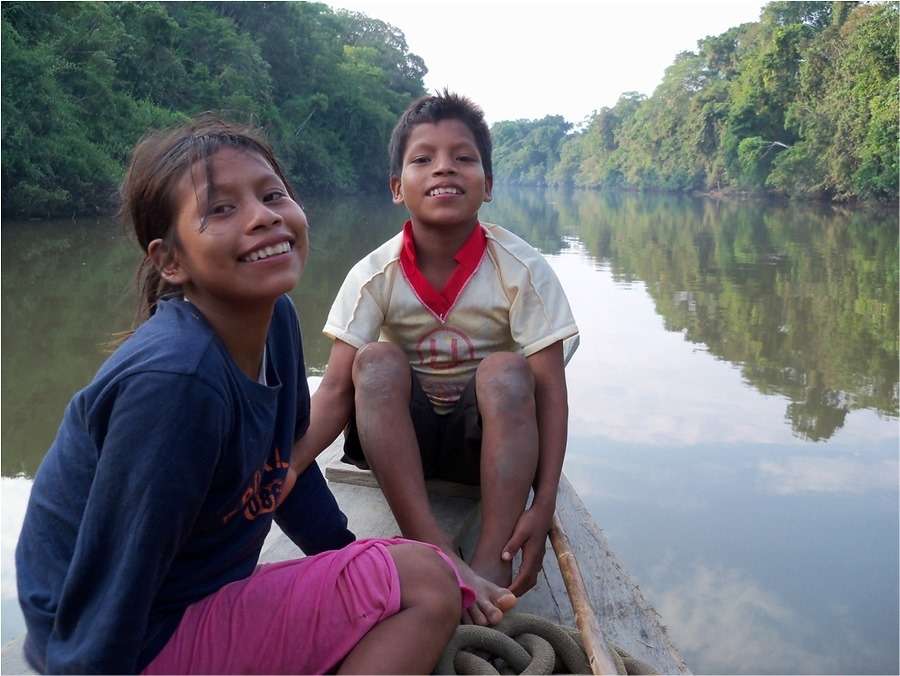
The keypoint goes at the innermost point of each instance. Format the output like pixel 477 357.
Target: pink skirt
pixel 294 617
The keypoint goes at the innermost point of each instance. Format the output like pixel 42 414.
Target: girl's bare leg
pixel 411 641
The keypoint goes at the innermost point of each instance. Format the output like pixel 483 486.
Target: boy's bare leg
pixel 381 378
pixel 509 456
pixel 411 641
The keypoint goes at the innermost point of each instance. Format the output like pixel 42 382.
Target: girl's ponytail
pixel 150 287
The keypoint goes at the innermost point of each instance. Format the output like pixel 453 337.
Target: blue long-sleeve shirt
pixel 160 488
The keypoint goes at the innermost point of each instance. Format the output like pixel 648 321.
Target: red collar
pixel 468 257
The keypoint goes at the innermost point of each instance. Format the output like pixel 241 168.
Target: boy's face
pixel 442 182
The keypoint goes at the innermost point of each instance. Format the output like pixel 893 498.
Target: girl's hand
pixel 529 535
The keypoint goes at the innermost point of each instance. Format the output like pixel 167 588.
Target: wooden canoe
pixel 625 618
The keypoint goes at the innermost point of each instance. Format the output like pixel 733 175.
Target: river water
pixel 733 403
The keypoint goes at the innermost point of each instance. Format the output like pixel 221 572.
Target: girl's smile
pixel 266 251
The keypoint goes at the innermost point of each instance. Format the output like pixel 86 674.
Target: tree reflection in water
pixel 802 297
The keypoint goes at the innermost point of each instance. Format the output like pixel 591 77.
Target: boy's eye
pixel 466 158
pixel 421 159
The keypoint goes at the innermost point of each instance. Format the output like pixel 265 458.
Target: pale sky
pixel 531 59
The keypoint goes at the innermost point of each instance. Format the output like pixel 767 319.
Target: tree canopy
pixel 82 81
pixel 803 102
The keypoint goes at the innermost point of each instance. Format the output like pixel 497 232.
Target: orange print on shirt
pixel 260 498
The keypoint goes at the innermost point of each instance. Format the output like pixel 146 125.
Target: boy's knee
pixel 504 383
pixel 380 369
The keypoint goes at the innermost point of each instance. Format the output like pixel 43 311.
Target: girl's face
pixel 241 239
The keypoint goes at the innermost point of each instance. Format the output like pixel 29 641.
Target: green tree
pixel 84 80
pixel 802 102
pixel 526 150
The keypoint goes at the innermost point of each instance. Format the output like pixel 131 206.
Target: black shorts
pixel 450 444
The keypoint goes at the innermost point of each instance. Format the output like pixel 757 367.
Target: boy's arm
pixel 330 409
pixel 551 403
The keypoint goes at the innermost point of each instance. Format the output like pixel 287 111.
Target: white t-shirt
pixel 503 297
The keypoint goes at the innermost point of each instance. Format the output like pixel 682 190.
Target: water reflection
pixel 15 499
pixel 342 231
pixel 826 474
pixel 65 291
pixel 68 287
pixel 706 598
pixel 803 298
pixel 705 327
pixel 750 577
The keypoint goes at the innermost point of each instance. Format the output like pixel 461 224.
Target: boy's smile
pixel 442 183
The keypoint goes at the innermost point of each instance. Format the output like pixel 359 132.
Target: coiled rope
pixel 525 644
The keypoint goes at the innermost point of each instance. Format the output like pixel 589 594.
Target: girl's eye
pixel 220 209
pixel 466 158
pixel 422 159
pixel 274 195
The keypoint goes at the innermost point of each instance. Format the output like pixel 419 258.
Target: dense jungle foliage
pixel 82 81
pixel 803 102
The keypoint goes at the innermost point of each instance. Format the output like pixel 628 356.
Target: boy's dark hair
pixel 432 109
pixel 158 162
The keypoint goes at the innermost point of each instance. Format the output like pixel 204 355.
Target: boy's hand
pixel 287 485
pixel 296 467
pixel 529 535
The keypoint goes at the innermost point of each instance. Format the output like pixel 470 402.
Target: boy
pixel 467 381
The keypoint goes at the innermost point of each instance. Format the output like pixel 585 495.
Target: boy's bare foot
pixel 495 570
pixel 491 600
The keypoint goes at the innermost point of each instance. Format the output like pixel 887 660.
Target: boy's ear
pixel 396 190
pixel 488 188
pixel 165 259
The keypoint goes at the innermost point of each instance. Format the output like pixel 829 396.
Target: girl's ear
pixel 488 188
pixel 396 190
pixel 165 259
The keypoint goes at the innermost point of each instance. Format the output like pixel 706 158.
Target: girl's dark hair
pixel 158 162
pixel 432 109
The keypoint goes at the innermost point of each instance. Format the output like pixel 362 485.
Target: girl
pixel 147 516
